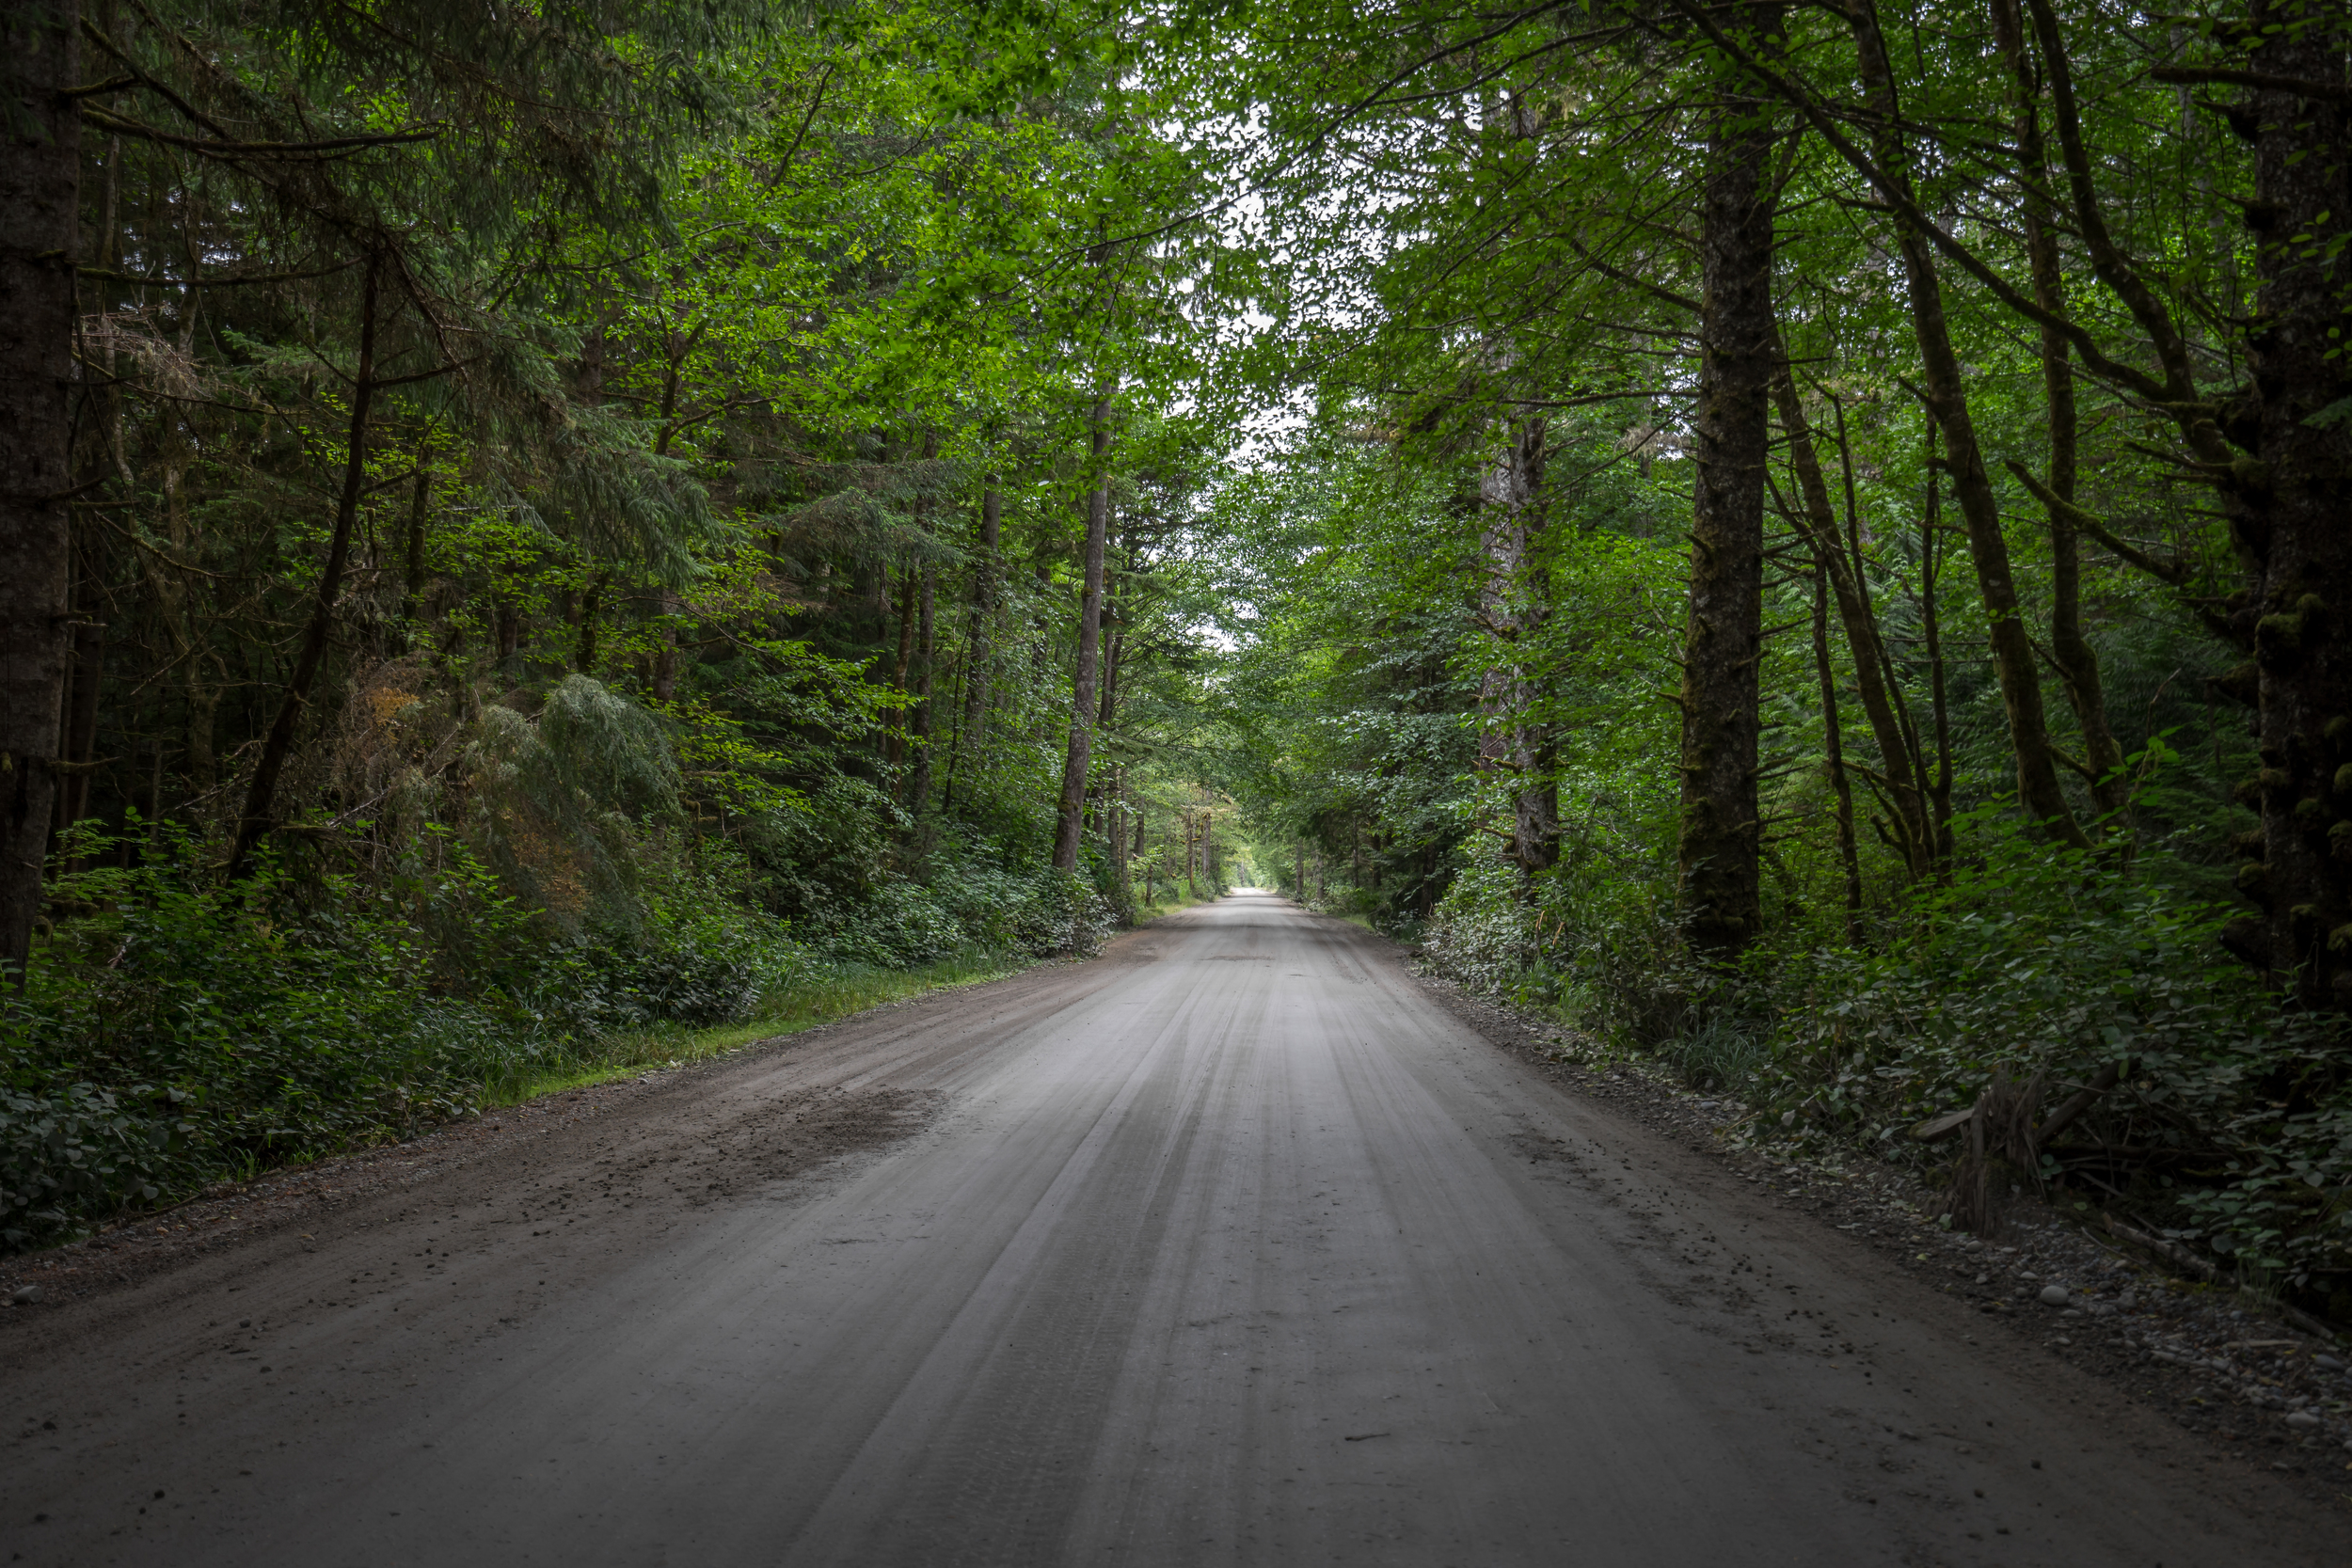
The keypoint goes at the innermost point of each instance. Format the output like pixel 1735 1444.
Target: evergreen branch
pixel 333 147
pixel 112 84
pixel 1905 206
pixel 195 116
pixel 104 275
pixel 2260 81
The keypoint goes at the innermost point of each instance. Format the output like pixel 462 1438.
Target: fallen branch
pixel 1937 1128
pixel 2171 1252
pixel 2077 1103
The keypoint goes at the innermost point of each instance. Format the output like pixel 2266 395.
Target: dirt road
pixel 1232 1247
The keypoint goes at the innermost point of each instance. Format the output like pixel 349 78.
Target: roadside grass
pixel 804 1006
pixel 1150 910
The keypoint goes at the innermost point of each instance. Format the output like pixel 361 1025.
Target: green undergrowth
pixel 1152 910
pixel 172 1033
pixel 819 1000
pixel 2224 1123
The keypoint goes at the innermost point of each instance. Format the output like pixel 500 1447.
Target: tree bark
pixel 1720 838
pixel 664 681
pixel 2293 488
pixel 1114 646
pixel 260 799
pixel 977 653
pixel 1932 638
pixel 412 597
pixel 1946 398
pixel 894 738
pixel 1833 752
pixel 2076 661
pixel 1515 606
pixel 80 748
pixel 1082 692
pixel 1882 707
pixel 40 218
pixel 919 724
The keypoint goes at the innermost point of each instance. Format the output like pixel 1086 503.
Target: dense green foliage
pixel 583 523
pixel 580 538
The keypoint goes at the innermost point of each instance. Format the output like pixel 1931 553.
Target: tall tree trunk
pixel 1947 397
pixel 260 799
pixel 591 606
pixel 977 656
pixel 1833 750
pixel 1931 639
pixel 1114 652
pixel 412 596
pixel 919 724
pixel 1082 685
pixel 2070 652
pixel 664 681
pixel 894 738
pixel 1903 775
pixel 1515 605
pixel 203 699
pixel 40 149
pixel 80 748
pixel 2293 493
pixel 1720 837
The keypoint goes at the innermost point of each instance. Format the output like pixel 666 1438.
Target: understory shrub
pixel 1602 953
pixel 173 1031
pixel 968 904
pixel 2020 978
pixel 2029 973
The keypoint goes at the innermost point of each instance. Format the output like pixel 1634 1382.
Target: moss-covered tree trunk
pixel 1069 826
pixel 2293 489
pixel 261 796
pixel 2071 652
pixel 1903 781
pixel 40 213
pixel 1945 395
pixel 1723 638
pixel 978 648
pixel 1517 743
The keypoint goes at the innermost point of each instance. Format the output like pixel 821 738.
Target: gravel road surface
pixel 1231 1246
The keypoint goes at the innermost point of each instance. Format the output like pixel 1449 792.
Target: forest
pixel 1800 543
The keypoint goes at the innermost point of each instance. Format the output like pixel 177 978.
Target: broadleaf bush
pixel 2026 972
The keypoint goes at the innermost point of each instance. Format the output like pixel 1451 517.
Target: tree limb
pixel 2262 81
pixel 336 146
pixel 2094 357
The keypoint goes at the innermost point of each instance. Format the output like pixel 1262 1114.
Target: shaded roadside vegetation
pixel 534 531
pixel 1818 555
